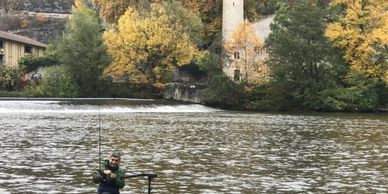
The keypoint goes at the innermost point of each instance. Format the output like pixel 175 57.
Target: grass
pixel 12 93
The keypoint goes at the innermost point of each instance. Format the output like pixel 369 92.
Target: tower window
pixel 236 55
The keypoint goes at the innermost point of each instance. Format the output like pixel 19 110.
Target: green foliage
pixel 81 50
pixel 210 63
pixel 189 21
pixel 254 9
pixel 9 78
pixel 13 93
pixel 33 63
pixel 361 94
pixel 301 59
pixel 56 82
pixel 222 92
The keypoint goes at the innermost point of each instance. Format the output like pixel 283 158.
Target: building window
pixel 1 48
pixel 236 75
pixel 28 49
pixel 236 55
pixel 1 60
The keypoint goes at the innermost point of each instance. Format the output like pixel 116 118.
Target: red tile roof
pixel 21 39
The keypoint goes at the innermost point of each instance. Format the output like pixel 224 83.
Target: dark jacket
pixel 106 183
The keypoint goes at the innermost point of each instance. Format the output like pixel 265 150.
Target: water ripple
pixel 206 152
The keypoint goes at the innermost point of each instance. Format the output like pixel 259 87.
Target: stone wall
pixel 41 27
pixel 185 86
pixel 44 34
pixel 42 20
pixel 45 6
pixel 185 92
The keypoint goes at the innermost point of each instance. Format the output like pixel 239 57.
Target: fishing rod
pixel 99 139
pixel 149 175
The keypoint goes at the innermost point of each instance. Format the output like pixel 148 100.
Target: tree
pixel 301 60
pixel 362 32
pixel 81 50
pixel 210 13
pixel 144 47
pixel 111 11
pixel 189 21
pixel 247 44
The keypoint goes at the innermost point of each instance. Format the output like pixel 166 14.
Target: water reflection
pixel 193 149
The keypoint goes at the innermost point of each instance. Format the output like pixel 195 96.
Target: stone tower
pixel 232 17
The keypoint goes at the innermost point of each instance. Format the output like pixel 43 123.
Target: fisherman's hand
pixel 110 174
pixel 98 178
pixel 107 172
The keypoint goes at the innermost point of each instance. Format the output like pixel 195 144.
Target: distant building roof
pixel 262 26
pixel 21 39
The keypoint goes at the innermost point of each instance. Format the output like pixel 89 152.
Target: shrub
pixel 9 77
pixel 54 83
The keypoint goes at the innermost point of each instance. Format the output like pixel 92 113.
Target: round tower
pixel 232 16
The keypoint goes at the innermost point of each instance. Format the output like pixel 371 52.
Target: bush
pixel 9 78
pixel 361 94
pixel 54 83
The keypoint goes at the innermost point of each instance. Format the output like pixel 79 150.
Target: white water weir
pixel 90 105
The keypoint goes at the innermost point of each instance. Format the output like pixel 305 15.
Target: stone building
pixel 13 47
pixel 232 17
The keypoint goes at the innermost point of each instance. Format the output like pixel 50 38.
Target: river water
pixel 52 147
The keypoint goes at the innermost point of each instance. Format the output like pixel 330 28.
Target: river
pixel 52 147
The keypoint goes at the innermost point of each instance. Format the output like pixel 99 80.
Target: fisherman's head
pixel 114 159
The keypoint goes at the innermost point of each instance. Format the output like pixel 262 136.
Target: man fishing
pixel 110 176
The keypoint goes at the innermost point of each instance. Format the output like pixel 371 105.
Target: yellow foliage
pixel 362 33
pixel 247 44
pixel 147 48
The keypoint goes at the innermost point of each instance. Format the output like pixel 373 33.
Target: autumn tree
pixel 362 32
pixel 147 47
pixel 81 50
pixel 246 44
pixel 111 11
pixel 188 21
pixel 210 13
